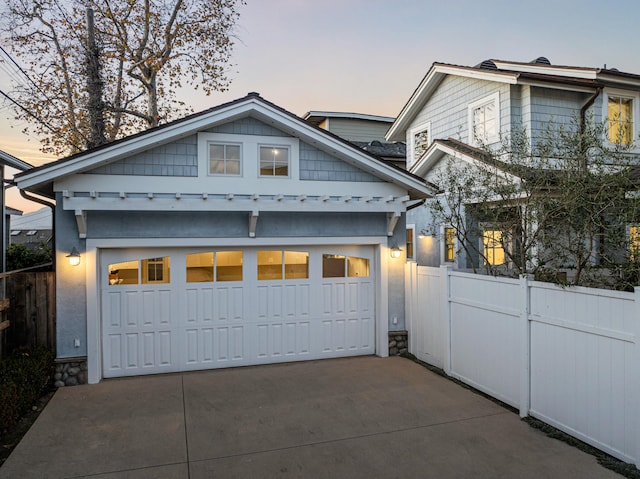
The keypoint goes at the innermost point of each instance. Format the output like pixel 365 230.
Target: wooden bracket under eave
pixel 81 220
pixel 253 221
pixel 392 221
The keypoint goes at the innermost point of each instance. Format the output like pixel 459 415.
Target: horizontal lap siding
pixel 447 108
pixel 358 130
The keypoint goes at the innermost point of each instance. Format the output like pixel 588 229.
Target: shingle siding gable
pixel 316 165
pixel 179 158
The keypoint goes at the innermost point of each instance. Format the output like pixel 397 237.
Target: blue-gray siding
pixel 447 108
pixel 317 165
pixel 180 158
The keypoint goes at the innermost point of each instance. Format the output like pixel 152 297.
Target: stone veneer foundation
pixel 398 342
pixel 70 372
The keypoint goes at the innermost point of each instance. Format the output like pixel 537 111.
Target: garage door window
pixel 156 270
pixel 278 264
pixel 123 273
pixel 337 266
pixel 228 266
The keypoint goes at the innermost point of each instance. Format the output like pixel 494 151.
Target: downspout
pixel 44 202
pixel 583 124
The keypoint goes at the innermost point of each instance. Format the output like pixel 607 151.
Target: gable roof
pixel 41 179
pixel 535 73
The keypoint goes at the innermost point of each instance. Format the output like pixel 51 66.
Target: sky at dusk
pixel 368 56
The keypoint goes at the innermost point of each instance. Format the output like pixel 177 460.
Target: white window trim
pixel 411 144
pixel 281 147
pixel 250 158
pixel 493 98
pixel 225 143
pixel 412 227
pixel 635 111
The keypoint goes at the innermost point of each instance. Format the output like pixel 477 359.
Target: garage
pixel 181 309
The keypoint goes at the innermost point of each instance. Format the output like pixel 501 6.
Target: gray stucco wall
pixel 71 300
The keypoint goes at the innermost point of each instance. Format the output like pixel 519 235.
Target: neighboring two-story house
pixel 458 111
pixel 235 236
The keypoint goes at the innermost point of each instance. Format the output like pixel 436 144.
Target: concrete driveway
pixel 362 417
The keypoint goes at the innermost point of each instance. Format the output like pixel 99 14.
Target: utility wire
pixel 24 73
pixel 44 123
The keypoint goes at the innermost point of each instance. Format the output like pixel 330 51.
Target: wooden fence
pixel 28 311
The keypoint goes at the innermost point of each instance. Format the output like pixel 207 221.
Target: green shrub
pixel 24 377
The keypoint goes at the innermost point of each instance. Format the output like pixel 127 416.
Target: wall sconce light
pixel 395 252
pixel 74 257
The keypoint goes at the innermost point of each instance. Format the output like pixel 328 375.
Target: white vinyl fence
pixel 567 356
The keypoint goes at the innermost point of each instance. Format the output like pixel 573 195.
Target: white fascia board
pixel 556 86
pixel 585 73
pixel 619 80
pixel 354 116
pixel 13 162
pixel 130 147
pixel 429 84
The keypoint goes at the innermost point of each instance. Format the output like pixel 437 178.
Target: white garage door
pixel 181 309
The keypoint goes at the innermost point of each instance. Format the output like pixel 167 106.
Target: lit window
pixel 274 161
pixel 123 273
pixel 199 267
pixel 274 265
pixel 410 241
pixel 155 270
pixel 339 266
pixel 484 121
pixel 493 249
pixel 449 244
pixel 224 159
pixel 620 116
pixel 229 266
pixel 634 243
pixel 357 267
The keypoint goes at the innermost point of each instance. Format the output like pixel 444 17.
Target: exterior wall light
pixel 74 257
pixel 395 252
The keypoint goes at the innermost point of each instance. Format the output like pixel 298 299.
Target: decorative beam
pixel 392 221
pixel 81 220
pixel 253 221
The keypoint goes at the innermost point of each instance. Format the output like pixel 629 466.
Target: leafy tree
pixel 148 49
pixel 558 207
pixel 19 256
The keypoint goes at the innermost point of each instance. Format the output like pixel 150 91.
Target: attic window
pixel 15 232
pixel 31 232
pixel 419 141
pixel 484 120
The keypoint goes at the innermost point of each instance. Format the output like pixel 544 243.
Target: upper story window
pixel 224 159
pixel 620 119
pixel 274 161
pixel 484 120
pixel 419 141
